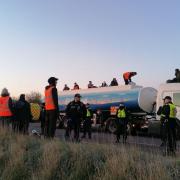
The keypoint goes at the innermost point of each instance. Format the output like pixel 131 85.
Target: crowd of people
pixel 18 114
pixel 126 76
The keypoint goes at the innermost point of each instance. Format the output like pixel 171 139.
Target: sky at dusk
pixel 82 40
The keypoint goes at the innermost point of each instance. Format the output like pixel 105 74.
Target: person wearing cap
pixel 51 108
pixel 76 112
pixel 121 123
pixel 6 109
pixel 87 125
pixel 127 77
pixel 169 114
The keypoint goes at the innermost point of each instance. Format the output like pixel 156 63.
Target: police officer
pixel 51 108
pixel 76 112
pixel 87 125
pixel 121 123
pixel 169 113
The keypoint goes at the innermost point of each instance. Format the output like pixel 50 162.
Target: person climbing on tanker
pixel 121 123
pixel 127 77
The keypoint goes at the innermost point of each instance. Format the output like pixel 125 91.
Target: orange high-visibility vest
pixel 49 102
pixel 4 107
pixel 126 75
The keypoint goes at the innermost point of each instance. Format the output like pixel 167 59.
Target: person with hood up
pixel 22 115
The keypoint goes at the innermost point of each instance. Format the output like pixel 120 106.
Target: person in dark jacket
pixel 22 115
pixel 51 108
pixel 66 88
pixel 76 112
pixel 87 125
pixel 114 82
pixel 169 113
pixel 176 79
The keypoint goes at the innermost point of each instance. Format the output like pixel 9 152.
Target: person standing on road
pixel 121 123
pixel 6 109
pixel 51 108
pixel 161 113
pixel 169 113
pixel 76 112
pixel 87 125
pixel 23 114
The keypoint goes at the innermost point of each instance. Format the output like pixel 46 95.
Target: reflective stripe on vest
pixel 88 113
pixel 49 102
pixel 4 107
pixel 121 114
pixel 172 111
pixel 126 75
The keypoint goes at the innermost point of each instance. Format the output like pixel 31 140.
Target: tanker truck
pixel 139 102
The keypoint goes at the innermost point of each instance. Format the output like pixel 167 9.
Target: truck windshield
pixel 176 99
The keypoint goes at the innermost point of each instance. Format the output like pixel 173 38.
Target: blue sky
pixel 82 40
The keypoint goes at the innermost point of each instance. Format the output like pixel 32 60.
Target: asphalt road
pixel 106 138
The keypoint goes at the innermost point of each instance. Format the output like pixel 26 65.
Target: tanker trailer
pixel 138 101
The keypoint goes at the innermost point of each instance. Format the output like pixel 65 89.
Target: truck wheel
pixel 111 125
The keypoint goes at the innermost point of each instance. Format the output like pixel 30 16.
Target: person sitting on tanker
pixel 177 77
pixel 121 123
pixel 66 88
pixel 104 84
pixel 127 77
pixel 114 82
pixel 76 86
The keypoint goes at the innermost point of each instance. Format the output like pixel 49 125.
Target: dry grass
pixel 26 158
